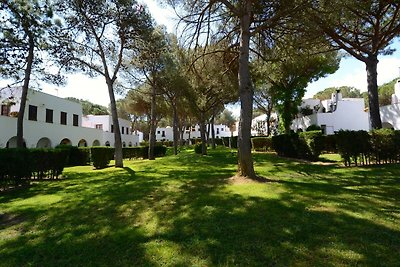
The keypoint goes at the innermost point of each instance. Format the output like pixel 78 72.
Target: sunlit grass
pixel 185 211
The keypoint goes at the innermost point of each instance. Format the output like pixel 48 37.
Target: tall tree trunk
pixel 286 116
pixel 119 163
pixel 203 134
pixel 175 129
pixel 373 98
pixel 24 93
pixel 153 124
pixel 212 122
pixel 245 161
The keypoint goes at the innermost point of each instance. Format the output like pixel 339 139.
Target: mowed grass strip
pixel 186 211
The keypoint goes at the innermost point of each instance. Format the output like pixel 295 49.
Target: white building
pixel 390 114
pixel 333 114
pixel 259 125
pixel 166 133
pixel 50 121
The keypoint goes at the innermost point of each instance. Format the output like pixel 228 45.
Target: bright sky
pixel 351 72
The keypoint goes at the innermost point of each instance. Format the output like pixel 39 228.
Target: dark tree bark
pixel 373 98
pixel 203 134
pixel 245 161
pixel 25 88
pixel 117 132
pixel 212 122
pixel 153 124
pixel 175 129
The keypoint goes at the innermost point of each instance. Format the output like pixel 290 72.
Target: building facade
pixel 332 115
pixel 50 120
pixel 390 114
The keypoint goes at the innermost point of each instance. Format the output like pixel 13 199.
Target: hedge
pixel 77 156
pixel 101 156
pixel 261 143
pixel 18 166
pixel 306 145
pixel 365 148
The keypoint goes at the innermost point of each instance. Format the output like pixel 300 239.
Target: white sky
pixel 351 72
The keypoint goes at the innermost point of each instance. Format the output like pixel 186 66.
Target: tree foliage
pixel 346 91
pixel 98 38
pixel 24 29
pixel 89 108
pixel 364 29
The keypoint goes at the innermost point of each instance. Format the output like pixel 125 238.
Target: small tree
pixel 23 33
pixel 98 36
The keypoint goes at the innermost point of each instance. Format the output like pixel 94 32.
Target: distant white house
pixel 332 115
pixel 50 121
pixel 390 114
pixel 166 133
pixel 260 123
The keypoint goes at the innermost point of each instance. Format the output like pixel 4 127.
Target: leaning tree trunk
pixel 212 122
pixel 245 161
pixel 117 132
pixel 152 135
pixel 175 129
pixel 373 98
pixel 24 94
pixel 203 134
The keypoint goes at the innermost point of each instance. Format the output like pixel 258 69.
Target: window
pixel 112 128
pixel 217 130
pixel 158 132
pixel 75 120
pixel 193 128
pixel 5 110
pixel 163 134
pixel 99 126
pixel 123 129
pixel 49 115
pixel 32 116
pixel 63 118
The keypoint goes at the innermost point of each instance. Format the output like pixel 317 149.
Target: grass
pixel 183 211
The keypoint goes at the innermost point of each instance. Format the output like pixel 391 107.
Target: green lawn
pixel 184 211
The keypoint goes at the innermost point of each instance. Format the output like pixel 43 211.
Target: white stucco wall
pixel 390 116
pixel 349 115
pixel 51 134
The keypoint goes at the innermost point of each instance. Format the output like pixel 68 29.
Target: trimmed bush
pixel 329 143
pixel 77 156
pixel 314 144
pixel 219 141
pixel 307 145
pixel 285 145
pixel 353 146
pixel 198 148
pixel 101 156
pixel 376 147
pixel 132 152
pixel 17 166
pixel 159 151
pixel 261 143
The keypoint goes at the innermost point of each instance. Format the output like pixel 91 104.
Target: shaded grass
pixel 181 211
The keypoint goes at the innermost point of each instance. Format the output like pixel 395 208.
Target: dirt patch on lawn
pixel 237 179
pixel 7 220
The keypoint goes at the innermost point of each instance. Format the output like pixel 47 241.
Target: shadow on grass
pixel 181 212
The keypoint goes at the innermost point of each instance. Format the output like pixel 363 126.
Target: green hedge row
pixel 101 156
pixel 261 143
pixel 18 166
pixel 306 145
pixel 365 148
